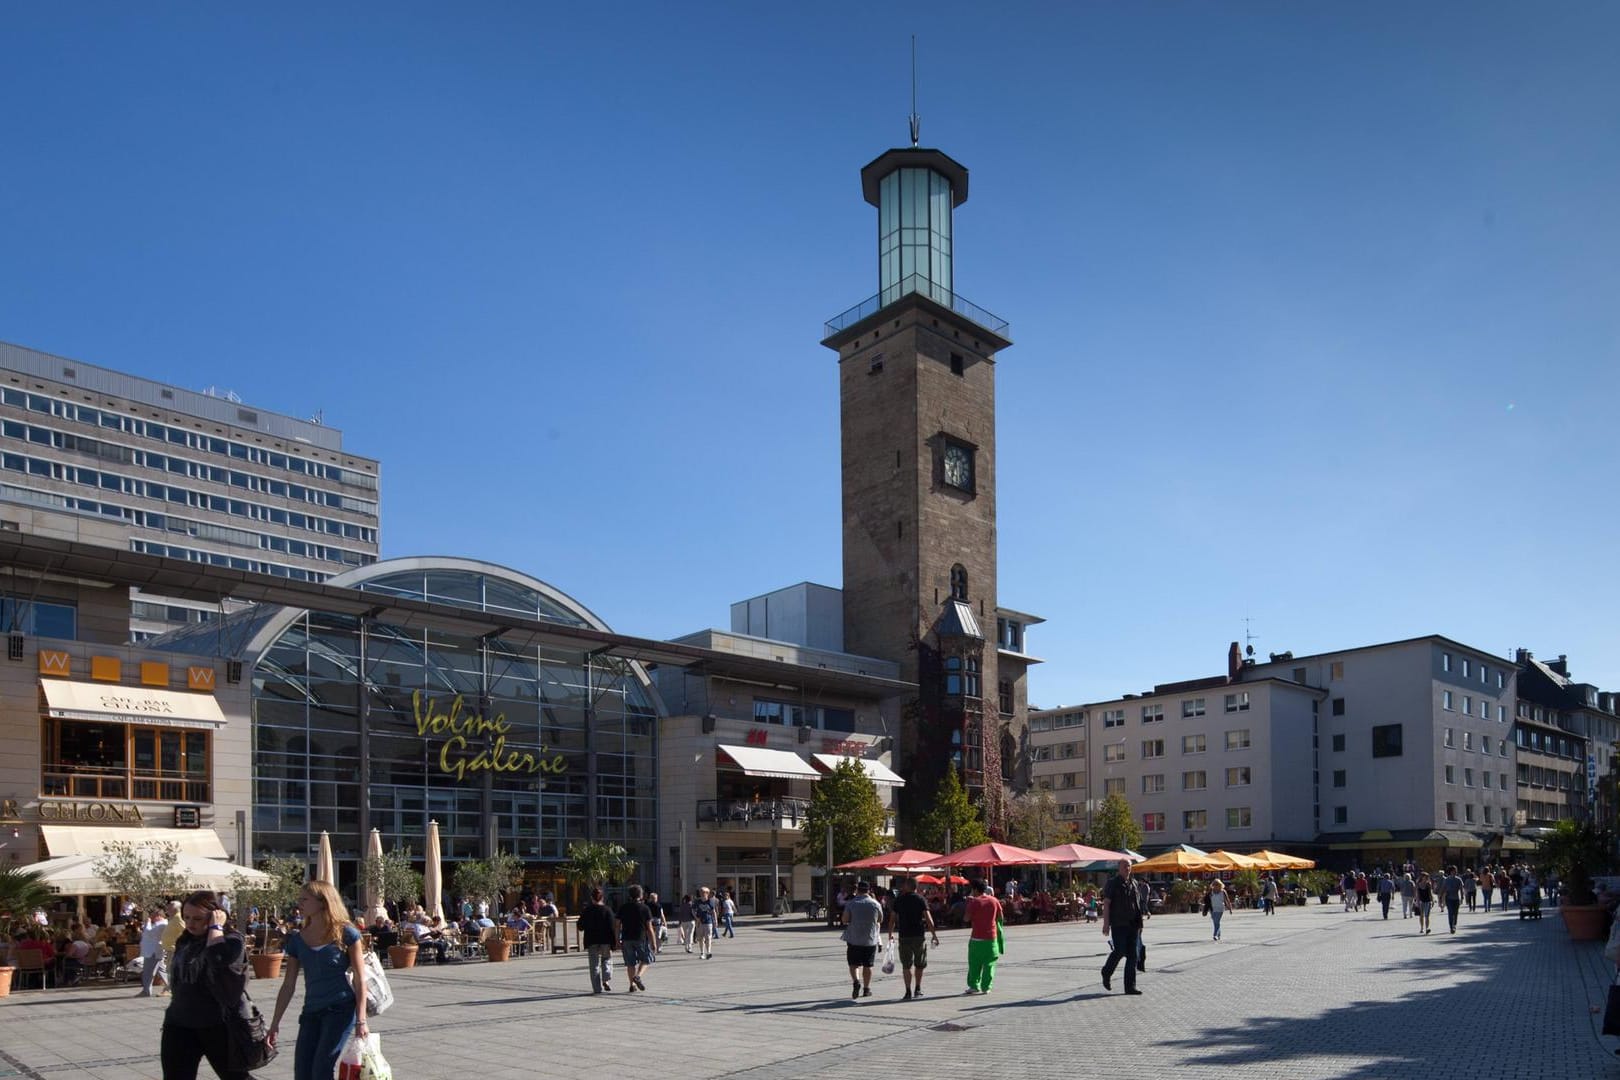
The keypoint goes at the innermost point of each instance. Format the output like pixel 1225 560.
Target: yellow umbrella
pixel 1231 860
pixel 1174 862
pixel 1276 860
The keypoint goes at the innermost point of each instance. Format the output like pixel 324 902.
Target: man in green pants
pixel 985 943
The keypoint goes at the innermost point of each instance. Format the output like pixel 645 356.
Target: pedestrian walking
pixel 1347 885
pixel 208 977
pixel 985 940
pixel 152 950
pixel 913 923
pixel 728 912
pixel 1268 894
pixel 1487 882
pixel 1425 901
pixel 1386 892
pixel 634 922
pixel 598 935
pixel 1470 888
pixel 1121 922
pixel 683 919
pixel 1144 904
pixel 326 950
pixel 660 934
pixel 1408 889
pixel 1361 891
pixel 863 930
pixel 705 913
pixel 1218 901
pixel 1451 891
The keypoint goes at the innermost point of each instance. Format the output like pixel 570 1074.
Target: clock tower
pixel 917 396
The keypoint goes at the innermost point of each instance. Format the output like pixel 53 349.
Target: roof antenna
pixel 916 121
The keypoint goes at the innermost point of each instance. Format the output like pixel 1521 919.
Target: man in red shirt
pixel 984 939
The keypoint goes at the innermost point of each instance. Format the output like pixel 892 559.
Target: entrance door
pixel 763 895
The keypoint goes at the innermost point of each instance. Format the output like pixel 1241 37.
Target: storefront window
pixel 122 761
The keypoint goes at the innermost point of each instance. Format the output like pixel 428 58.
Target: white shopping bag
pixel 379 995
pixel 373 1065
pixel 888 959
pixel 352 1059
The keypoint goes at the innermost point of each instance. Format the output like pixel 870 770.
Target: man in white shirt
pixel 152 951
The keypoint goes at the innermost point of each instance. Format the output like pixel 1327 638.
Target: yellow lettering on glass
pixel 458 757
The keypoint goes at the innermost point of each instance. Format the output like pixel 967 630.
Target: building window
pixel 1386 740
pixel 1192 744
pixel 1488 816
pixel 953 676
pixel 1299 675
pixel 959 583
pixel 1338 744
pixel 1338 778
pixel 1194 819
pixel 1153 748
pixel 973 686
pixel 1336 670
pixel 956 364
pixel 1237 740
pixel 1004 695
pixel 1068 750
pixel 1451 774
pixel 1114 785
pixel 1114 752
pixel 1068 780
pixel 1451 807
pixel 1468 705
pixel 1193 781
pixel 1238 776
pixel 1192 707
pixel 1451 738
pixel 1152 714
pixel 1341 815
pixel 1153 784
pixel 1153 822
pixel 777 712
pixel 1484 709
pixel 1338 706
pixel 56 619
pixel 98 760
pixel 1484 744
pixel 1468 812
pixel 1501 681
pixel 1501 714
pixel 1468 740
pixel 1486 779
pixel 1239 817
pixel 1113 718
pixel 1445 661
pixel 1484 673
pixel 1237 702
pixel 1465 667
pixel 1445 700
pixel 1468 777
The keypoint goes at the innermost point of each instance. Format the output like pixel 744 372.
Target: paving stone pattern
pixel 1309 992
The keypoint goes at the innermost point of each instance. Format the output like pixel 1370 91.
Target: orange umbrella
pixel 1276 860
pixel 1231 860
pixel 1176 862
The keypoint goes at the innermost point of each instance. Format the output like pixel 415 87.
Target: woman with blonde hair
pixel 1218 902
pixel 327 949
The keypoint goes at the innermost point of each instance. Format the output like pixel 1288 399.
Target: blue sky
pixel 1315 306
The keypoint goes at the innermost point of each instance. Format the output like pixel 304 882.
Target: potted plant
pixel 487 880
pixel 1319 883
pixel 1575 851
pixel 21 892
pixel 273 899
pixel 392 877
pixel 1186 894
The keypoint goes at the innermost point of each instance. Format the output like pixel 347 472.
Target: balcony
pixel 762 814
pixel 915 283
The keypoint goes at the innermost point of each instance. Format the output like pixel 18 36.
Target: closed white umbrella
pixel 432 881
pixel 374 899
pixel 323 861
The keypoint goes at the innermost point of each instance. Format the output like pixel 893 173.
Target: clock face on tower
pixel 958 466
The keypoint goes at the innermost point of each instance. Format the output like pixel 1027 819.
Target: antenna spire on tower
pixel 916 121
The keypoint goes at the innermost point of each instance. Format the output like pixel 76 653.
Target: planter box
pixel 266 965
pixel 1583 921
pixel 498 951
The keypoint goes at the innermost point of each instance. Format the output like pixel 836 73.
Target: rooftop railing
pixel 916 283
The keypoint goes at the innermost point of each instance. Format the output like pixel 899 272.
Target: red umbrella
pixel 994 854
pixel 904 859
pixel 1081 853
pixel 930 879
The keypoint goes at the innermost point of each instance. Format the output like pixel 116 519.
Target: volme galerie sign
pixel 459 757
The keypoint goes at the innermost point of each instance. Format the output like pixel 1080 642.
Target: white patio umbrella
pixel 374 900
pixel 75 875
pixel 432 881
pixel 323 860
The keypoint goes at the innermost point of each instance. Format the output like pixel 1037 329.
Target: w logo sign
pixel 52 662
pixel 199 678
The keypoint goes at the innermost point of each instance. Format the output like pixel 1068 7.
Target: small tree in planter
pixel 593 862
pixel 392 877
pixel 1318 883
pixel 1576 851
pixel 145 873
pixel 1185 894
pixel 275 900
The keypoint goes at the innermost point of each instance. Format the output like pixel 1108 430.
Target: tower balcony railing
pixel 916 283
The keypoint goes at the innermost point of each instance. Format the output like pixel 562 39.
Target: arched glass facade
pixel 537 744
pixel 914 235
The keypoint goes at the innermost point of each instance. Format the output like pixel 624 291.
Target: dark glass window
pixel 953 675
pixel 1338 744
pixel 1338 706
pixel 1386 740
pixel 959 582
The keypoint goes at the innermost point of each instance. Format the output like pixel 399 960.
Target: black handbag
pixel 249 1036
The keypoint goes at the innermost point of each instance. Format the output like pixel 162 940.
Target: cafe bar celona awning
pixel 69 700
pixel 876 771
pixel 758 761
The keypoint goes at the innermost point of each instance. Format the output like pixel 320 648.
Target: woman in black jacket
pixel 207 980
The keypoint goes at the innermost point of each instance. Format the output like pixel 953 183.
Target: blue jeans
pixel 321 1037
pixel 725 922
pixel 1215 917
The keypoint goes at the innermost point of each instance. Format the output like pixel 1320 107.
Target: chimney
pixel 1523 656
pixel 1560 665
pixel 1234 662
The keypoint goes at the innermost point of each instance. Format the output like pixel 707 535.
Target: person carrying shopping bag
pixel 325 950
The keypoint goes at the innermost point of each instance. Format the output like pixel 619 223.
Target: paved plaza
pixel 1310 992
